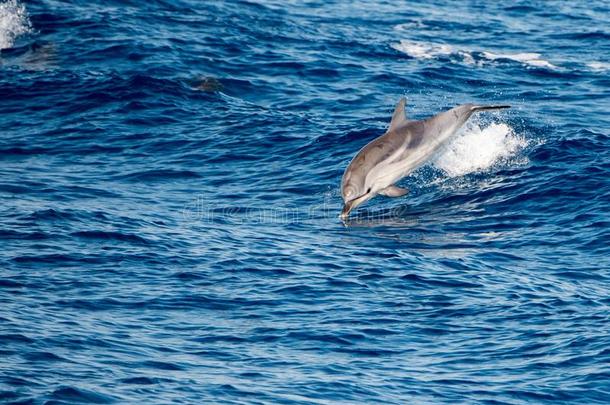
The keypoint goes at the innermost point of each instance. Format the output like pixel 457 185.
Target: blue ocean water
pixel 170 195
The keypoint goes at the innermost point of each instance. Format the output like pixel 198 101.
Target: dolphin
pixel 404 147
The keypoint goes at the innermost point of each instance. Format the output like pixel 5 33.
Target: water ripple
pixel 170 194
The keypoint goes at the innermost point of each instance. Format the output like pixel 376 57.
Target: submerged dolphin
pixel 405 146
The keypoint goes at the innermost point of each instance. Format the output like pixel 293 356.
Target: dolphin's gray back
pixel 401 151
pixel 374 153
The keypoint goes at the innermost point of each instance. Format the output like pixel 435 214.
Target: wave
pixel 80 395
pixel 430 50
pixel 111 236
pixel 599 66
pixel 441 51
pixel 14 22
pixel 423 50
pixel 527 58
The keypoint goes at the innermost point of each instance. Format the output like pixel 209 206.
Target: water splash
pixel 14 21
pixel 477 148
pixel 527 58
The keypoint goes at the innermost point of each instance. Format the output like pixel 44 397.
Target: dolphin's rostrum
pixel 405 146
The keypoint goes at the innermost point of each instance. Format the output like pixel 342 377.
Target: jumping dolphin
pixel 405 146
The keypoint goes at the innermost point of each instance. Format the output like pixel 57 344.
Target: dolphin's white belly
pixel 406 160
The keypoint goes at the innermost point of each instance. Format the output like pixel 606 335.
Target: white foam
pixel 422 50
pixel 430 50
pixel 599 66
pixel 408 26
pixel 476 149
pixel 528 58
pixel 14 22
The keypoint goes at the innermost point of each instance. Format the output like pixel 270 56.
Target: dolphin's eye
pixel 368 191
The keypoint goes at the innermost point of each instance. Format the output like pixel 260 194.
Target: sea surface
pixel 169 201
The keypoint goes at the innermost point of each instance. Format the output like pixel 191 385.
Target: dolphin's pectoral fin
pixel 393 191
pixel 399 118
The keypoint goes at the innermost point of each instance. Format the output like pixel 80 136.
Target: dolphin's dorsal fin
pixel 399 118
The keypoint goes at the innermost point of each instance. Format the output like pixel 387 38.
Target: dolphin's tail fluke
pixel 488 107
